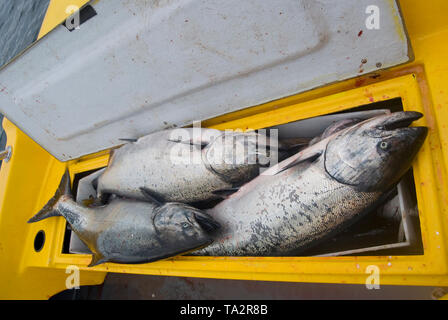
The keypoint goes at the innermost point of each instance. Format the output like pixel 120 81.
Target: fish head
pixel 183 226
pixel 374 154
pixel 237 156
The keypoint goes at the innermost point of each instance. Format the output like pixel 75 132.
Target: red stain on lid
pixel 359 82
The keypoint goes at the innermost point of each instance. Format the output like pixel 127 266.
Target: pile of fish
pixel 146 197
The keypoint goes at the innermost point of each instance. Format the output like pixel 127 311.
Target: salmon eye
pixel 185 225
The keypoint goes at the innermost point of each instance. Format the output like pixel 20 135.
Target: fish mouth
pixel 395 124
pixel 206 222
pixel 399 120
pixel 418 135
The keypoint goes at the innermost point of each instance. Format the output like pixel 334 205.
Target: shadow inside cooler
pixel 390 228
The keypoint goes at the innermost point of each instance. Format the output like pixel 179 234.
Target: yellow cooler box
pixel 127 70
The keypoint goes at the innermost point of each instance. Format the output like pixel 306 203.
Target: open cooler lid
pixel 141 66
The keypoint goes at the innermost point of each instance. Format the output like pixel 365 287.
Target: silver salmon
pixel 189 168
pixel 318 192
pixel 130 231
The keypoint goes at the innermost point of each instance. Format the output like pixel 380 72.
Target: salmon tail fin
pixel 49 209
pixel 97 259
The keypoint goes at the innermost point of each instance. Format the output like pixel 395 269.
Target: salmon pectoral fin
pixel 201 144
pixel 225 193
pixel 309 157
pixel 152 196
pixel 291 144
pixel 128 139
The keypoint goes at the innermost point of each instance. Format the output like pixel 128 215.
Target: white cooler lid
pixel 142 66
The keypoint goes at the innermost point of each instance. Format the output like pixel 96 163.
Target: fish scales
pixel 140 164
pixel 310 206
